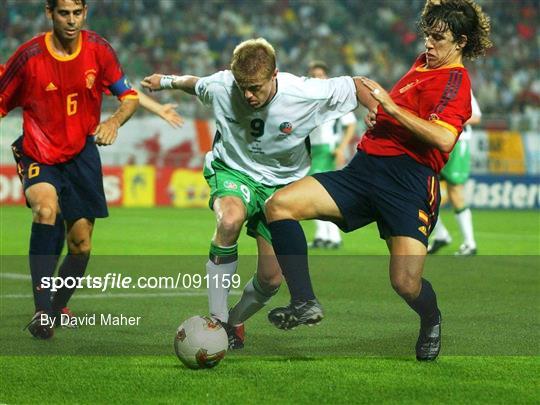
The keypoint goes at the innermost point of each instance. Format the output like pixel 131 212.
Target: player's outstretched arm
pixel 363 94
pixel 158 82
pixel 428 132
pixel 165 111
pixel 107 131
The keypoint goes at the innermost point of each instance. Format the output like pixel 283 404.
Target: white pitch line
pixel 126 295
pixel 15 276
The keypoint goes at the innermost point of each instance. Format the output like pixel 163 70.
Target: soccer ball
pixel 200 342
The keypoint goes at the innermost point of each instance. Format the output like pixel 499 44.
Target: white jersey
pixel 476 112
pixel 331 131
pixel 269 143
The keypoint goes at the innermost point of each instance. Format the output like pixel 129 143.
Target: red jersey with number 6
pixel 442 96
pixel 60 95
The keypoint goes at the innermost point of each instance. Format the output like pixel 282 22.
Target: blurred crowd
pixel 377 38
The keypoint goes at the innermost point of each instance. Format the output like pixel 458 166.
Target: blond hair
pixel 253 59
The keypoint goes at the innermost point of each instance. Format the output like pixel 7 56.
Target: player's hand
pixel 339 156
pixel 371 118
pixel 169 114
pixel 106 132
pixel 380 94
pixel 153 82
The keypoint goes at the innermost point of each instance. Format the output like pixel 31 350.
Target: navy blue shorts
pixel 78 182
pixel 397 192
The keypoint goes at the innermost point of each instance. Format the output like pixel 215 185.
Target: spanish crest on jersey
pixel 90 77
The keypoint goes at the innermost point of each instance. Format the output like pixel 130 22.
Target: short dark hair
pixel 461 17
pixel 318 64
pixel 51 4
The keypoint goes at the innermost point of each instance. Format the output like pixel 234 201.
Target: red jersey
pixel 60 95
pixel 442 96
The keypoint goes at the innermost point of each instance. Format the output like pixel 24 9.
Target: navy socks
pixel 425 305
pixel 60 229
pixel 290 246
pixel 72 266
pixel 43 259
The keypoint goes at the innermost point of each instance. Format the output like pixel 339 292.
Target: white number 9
pixel 245 192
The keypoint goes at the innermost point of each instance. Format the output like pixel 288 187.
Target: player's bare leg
pixel 268 271
pixel 407 256
pixel 79 236
pixel 43 201
pixel 230 215
pixel 257 291
pixel 79 241
pixel 304 199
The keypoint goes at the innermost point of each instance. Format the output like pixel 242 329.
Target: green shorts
pixel 458 167
pixel 322 159
pixel 224 181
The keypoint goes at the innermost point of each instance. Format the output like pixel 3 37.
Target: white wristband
pixel 166 82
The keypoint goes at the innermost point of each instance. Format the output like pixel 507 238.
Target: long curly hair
pixel 461 17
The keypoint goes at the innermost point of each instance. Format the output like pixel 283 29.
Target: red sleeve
pixel 11 79
pixel 113 76
pixel 446 100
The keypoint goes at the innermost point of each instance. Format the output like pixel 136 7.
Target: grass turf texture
pixel 362 352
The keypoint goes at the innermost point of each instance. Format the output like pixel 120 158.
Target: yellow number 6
pixel 72 104
pixel 33 170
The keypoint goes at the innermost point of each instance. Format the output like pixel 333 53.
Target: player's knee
pixel 407 287
pixel 270 282
pixel 276 207
pixel 230 223
pixel 79 245
pixel 44 213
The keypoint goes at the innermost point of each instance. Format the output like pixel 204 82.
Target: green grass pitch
pixel 361 353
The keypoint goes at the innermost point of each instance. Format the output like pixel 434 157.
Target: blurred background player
pixel 263 118
pixel 325 156
pixel 455 173
pixel 392 180
pixel 58 79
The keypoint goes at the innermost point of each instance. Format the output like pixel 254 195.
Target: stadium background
pixel 362 351
pixel 153 164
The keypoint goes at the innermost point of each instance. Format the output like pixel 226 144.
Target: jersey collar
pixel 268 102
pixel 55 55
pixel 424 68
